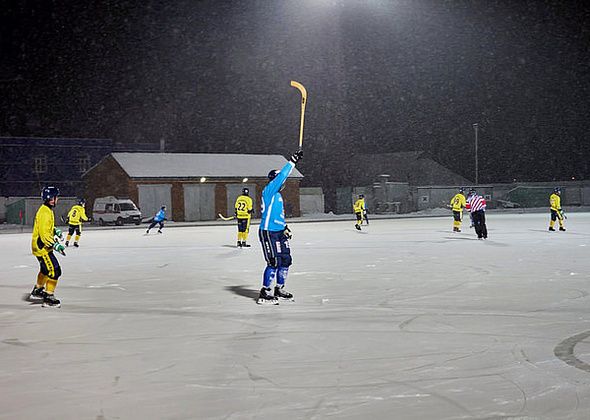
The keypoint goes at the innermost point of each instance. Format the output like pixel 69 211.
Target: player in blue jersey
pixel 158 219
pixel 274 235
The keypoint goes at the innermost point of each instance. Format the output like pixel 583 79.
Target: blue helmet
pixel 49 192
pixel 272 174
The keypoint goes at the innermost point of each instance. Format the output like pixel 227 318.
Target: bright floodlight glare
pixel 245 180
pixel 203 179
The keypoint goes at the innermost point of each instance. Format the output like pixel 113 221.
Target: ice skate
pixel 358 227
pixel 37 294
pixel 239 245
pixel 50 301
pixel 245 245
pixel 282 294
pixel 552 229
pixel 561 228
pixel 265 298
pixel 67 243
pixel 159 231
pixel 76 245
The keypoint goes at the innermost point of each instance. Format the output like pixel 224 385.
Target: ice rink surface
pixel 404 320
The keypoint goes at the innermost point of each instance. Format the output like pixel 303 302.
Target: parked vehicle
pixel 115 210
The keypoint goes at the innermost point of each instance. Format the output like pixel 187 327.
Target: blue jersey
pixel 273 208
pixel 161 215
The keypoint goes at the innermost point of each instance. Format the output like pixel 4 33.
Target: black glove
pixel 287 232
pixel 296 156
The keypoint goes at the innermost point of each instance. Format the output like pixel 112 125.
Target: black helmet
pixel 272 174
pixel 49 192
pixel 557 190
pixel 461 190
pixel 245 191
pixel 81 201
pixel 361 196
pixel 472 191
pixel 163 208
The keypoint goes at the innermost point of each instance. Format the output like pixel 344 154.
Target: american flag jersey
pixel 476 203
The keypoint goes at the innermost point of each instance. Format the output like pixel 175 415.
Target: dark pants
pixel 154 223
pixel 277 253
pixel 243 225
pixel 479 221
pixel 74 228
pixel 49 266
pixel 555 215
pixel 457 215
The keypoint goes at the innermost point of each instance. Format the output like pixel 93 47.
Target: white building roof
pixel 193 165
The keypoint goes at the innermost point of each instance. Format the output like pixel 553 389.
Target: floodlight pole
pixel 475 127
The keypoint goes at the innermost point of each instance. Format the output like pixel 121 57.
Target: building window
pixel 40 164
pixel 83 163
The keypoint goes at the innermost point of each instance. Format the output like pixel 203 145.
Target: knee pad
pixel 284 261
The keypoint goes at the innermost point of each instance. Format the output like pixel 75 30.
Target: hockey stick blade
pixel 222 217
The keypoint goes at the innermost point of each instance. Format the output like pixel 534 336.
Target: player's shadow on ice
pixel 244 291
pixel 26 298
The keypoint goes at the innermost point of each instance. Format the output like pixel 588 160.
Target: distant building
pixel 416 168
pixel 193 186
pixel 27 164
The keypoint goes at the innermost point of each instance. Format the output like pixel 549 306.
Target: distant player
pixel 458 202
pixel 476 204
pixel 360 210
pixel 274 235
pixel 76 216
pixel 158 219
pixel 556 210
pixel 243 212
pixel 43 243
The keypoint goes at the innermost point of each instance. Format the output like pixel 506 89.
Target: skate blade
pixel 45 305
pixel 34 299
pixel 282 299
pixel 267 302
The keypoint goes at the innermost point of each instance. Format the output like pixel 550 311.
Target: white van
pixel 115 210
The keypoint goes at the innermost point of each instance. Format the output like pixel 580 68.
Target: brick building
pixel 194 186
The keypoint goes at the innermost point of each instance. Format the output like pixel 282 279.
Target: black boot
pixel 239 244
pixel 76 244
pixel 281 293
pixel 245 245
pixel 266 298
pixel 51 301
pixel 37 294
pixel 562 228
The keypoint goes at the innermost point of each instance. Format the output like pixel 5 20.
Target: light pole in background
pixel 475 127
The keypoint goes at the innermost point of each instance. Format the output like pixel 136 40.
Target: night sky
pixel 382 76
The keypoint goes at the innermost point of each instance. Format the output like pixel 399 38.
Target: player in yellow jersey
pixel 556 210
pixel 43 243
pixel 243 212
pixel 76 216
pixel 458 202
pixel 360 210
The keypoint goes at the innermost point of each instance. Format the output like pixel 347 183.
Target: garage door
pixel 234 190
pixel 199 202
pixel 152 197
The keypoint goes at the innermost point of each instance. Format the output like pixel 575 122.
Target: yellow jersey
pixel 243 207
pixel 458 202
pixel 359 205
pixel 77 215
pixel 43 229
pixel 555 202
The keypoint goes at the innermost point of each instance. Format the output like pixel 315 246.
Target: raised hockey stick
pixel 222 217
pixel 303 102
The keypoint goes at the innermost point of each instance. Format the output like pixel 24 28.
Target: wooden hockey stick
pixel 221 216
pixel 303 102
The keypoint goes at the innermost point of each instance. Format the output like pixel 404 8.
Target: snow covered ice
pixel 403 320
